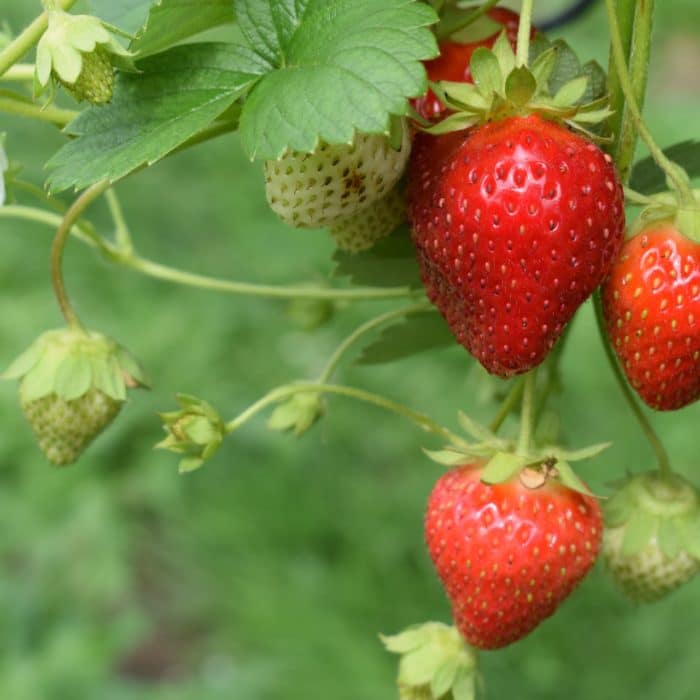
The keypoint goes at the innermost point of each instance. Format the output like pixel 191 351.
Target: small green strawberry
pixel 310 190
pixel 72 385
pixel 362 230
pixel 80 52
pixel 436 663
pixel 652 538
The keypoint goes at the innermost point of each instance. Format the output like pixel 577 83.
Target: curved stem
pixel 524 29
pixel 28 38
pixel 509 403
pixel 20 73
pixel 189 279
pixel 527 413
pixel 284 392
pixel 59 241
pixel 122 233
pixel 662 457
pixel 52 115
pixel 673 172
pixel 634 22
pixel 367 327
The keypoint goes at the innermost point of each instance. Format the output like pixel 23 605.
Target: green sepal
pixel 570 479
pixel 299 413
pixel 73 377
pixel 196 431
pixel 502 467
pixel 520 86
pixel 689 529
pixel 639 530
pixel 477 431
pixel 436 663
pixel 447 457
pixel 669 537
pixel 486 72
pixel 618 509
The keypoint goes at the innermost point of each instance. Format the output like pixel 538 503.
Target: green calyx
pixel 504 462
pixel 297 414
pixel 69 363
pixel 196 431
pixel 503 89
pixel 79 51
pixel 660 510
pixel 436 663
pixel 684 216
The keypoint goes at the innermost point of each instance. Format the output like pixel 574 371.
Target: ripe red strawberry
pixel 453 62
pixel 508 555
pixel 516 222
pixel 651 303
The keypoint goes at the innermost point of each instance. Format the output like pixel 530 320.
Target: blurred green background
pixel 268 574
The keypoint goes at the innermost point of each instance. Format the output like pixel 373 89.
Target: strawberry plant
pixel 477 179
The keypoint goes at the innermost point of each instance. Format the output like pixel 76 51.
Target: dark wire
pixel 566 16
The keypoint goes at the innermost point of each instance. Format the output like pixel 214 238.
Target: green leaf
pixel 336 67
pixel 571 92
pixel 177 94
pixel 389 263
pixel 647 178
pixel 597 81
pixel 639 530
pixel 405 641
pixel 447 457
pixel 128 15
pixel 543 66
pixel 502 467
pixel 413 334
pixel 171 21
pixel 464 687
pixel 22 364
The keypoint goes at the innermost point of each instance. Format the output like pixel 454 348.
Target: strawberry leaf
pixel 171 21
pixel 335 67
pixel 127 15
pixel 176 94
pixel 647 178
pixel 413 334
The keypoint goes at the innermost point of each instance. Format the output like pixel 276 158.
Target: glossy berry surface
pixel 651 303
pixel 507 555
pixel 515 224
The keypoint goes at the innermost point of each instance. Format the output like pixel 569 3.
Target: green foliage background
pixel 268 574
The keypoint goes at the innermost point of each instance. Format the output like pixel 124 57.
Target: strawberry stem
pixel 14 51
pixel 527 413
pixel 634 22
pixel 524 29
pixel 365 328
pixel 288 390
pixel 21 107
pixel 675 174
pixel 509 403
pixel 19 73
pixel 59 242
pixel 662 458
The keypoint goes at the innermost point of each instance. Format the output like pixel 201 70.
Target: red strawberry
pixel 508 555
pixel 453 62
pixel 651 303
pixel 516 222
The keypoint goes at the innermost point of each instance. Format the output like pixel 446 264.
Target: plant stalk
pixel 524 29
pixel 527 413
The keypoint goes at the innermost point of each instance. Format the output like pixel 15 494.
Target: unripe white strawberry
pixel 360 231
pixel 310 190
pixel 652 539
pixel 72 385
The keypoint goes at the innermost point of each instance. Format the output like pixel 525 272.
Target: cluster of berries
pixel 517 218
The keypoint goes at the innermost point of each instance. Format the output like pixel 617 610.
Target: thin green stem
pixel 662 458
pixel 635 25
pixel 189 279
pixel 121 228
pixel 527 413
pixel 461 20
pixel 524 30
pixel 365 328
pixel 673 172
pixel 59 241
pixel 287 391
pixel 49 113
pixel 14 51
pixel 19 73
pixel 553 378
pixel 508 405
